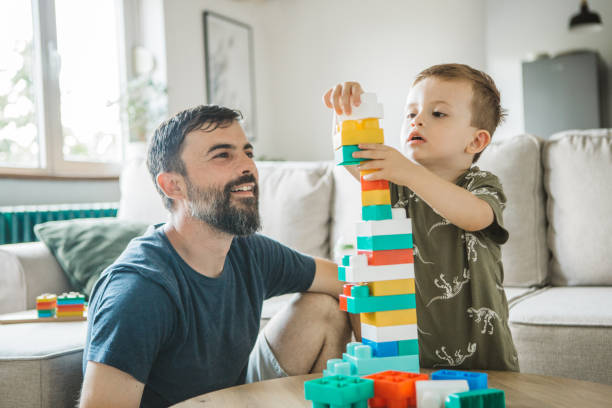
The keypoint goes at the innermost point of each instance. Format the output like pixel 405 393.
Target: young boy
pixel 456 210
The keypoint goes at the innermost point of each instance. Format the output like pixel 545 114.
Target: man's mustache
pixel 247 178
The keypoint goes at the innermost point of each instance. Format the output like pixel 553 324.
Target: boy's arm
pixel 456 204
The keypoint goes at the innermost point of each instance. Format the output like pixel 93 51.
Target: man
pixel 177 314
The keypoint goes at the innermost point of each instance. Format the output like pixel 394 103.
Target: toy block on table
pixel 376 212
pixel 375 197
pixel 70 304
pixel 46 305
pixel 363 362
pixel 358 300
pixel 394 389
pixel 344 156
pixel 367 273
pixel 392 287
pixel 339 391
pixel 398 224
pixel 390 318
pixel 433 394
pixel 388 257
pixel 337 366
pixel 488 398
pixel 384 242
pixel 383 349
pixel 476 381
pixel 382 334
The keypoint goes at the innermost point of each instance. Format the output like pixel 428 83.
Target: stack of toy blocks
pixel 384 260
pixel 46 304
pixel 70 304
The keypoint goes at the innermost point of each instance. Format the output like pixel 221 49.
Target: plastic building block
pixel 46 305
pixel 489 398
pixel 369 108
pixel 390 318
pixel 337 366
pixel 408 347
pixel 375 197
pixel 376 212
pixel 392 287
pixel 476 381
pixel 432 394
pixel 358 300
pixel 354 133
pixel 71 298
pixel 389 333
pixel 368 185
pixel 393 226
pixel 344 156
pixel 388 257
pixel 385 349
pixel 339 391
pixel 363 363
pixel 394 389
pixel 384 242
pixel 70 304
pixel 375 273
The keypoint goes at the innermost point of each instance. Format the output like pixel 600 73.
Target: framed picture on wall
pixel 230 77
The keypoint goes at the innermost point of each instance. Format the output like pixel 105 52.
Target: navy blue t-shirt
pixel 177 331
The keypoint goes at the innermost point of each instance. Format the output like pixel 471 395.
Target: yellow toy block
pixel 375 197
pixel 364 172
pixel 66 314
pixel 354 132
pixel 390 318
pixel 392 287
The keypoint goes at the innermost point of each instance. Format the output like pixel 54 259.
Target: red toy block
pixel 394 389
pixel 70 308
pixel 346 291
pixel 389 257
pixel 367 185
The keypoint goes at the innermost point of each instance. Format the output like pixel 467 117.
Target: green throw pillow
pixel 85 247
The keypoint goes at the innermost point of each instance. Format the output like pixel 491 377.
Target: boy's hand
pixel 343 97
pixel 390 163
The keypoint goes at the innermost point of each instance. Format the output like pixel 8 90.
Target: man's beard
pixel 214 207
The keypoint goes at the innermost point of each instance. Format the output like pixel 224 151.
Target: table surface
pixel 522 390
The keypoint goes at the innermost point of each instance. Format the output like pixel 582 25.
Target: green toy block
pixel 360 301
pixel 339 391
pixel 344 155
pixel 408 347
pixel 337 366
pixel 485 398
pixel 362 362
pixel 341 274
pixel 384 242
pixel 376 212
pixel 346 260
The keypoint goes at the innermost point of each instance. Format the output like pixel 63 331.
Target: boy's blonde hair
pixel 487 112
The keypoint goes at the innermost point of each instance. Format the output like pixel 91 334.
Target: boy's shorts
pixel 263 365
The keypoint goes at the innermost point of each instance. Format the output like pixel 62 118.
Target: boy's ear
pixel 172 184
pixel 480 139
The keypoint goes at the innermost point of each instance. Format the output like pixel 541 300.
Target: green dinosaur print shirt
pixel 462 311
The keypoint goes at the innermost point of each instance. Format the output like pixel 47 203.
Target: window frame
pixel 46 81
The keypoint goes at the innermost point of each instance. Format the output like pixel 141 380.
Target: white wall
pixel 303 47
pixel 519 27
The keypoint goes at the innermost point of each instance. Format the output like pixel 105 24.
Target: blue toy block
pixel 488 398
pixel 376 212
pixel 344 155
pixel 337 366
pixel 360 301
pixel 476 381
pixel 363 363
pixel 339 391
pixel 46 313
pixel 384 242
pixel 383 349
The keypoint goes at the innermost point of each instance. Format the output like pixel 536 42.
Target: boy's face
pixel 436 129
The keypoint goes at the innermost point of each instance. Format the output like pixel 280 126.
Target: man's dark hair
pixel 164 151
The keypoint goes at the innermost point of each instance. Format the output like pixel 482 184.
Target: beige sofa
pixel 558 273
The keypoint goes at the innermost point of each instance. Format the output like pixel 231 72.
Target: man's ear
pixel 172 184
pixel 480 139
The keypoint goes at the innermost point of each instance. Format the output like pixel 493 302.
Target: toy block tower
pixel 384 259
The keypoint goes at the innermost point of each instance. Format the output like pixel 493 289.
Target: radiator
pixel 17 223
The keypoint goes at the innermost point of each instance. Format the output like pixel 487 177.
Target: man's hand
pixel 388 162
pixel 106 386
pixel 343 97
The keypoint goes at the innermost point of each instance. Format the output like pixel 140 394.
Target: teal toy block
pixel 46 313
pixel 488 398
pixel 384 242
pixel 344 155
pixel 408 347
pixel 360 301
pixel 337 366
pixel 363 362
pixel 376 212
pixel 342 274
pixel 476 381
pixel 346 260
pixel 382 349
pixel 339 391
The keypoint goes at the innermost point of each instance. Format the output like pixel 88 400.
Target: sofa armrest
pixel 31 269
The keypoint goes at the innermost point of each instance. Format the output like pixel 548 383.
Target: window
pixel 61 79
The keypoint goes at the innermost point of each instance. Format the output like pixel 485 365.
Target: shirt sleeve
pixel 285 270
pixel 489 189
pixel 130 320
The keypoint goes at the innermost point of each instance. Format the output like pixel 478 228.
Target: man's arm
pixel 106 386
pixel 326 281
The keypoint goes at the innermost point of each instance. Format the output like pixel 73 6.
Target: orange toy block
pixel 346 291
pixel 70 308
pixel 394 389
pixel 389 257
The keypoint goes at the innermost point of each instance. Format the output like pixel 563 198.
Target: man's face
pixel 221 179
pixel 436 128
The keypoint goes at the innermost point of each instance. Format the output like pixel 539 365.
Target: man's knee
pixel 320 305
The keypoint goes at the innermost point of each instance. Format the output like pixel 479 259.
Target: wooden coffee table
pixel 522 390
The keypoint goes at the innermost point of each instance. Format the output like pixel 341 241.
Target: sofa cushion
pixel 577 171
pixel 12 283
pixel 140 200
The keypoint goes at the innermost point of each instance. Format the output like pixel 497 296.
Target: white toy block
pixel 432 394
pixel 369 108
pixel 384 227
pixel 367 273
pixel 381 334
pixel 399 214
